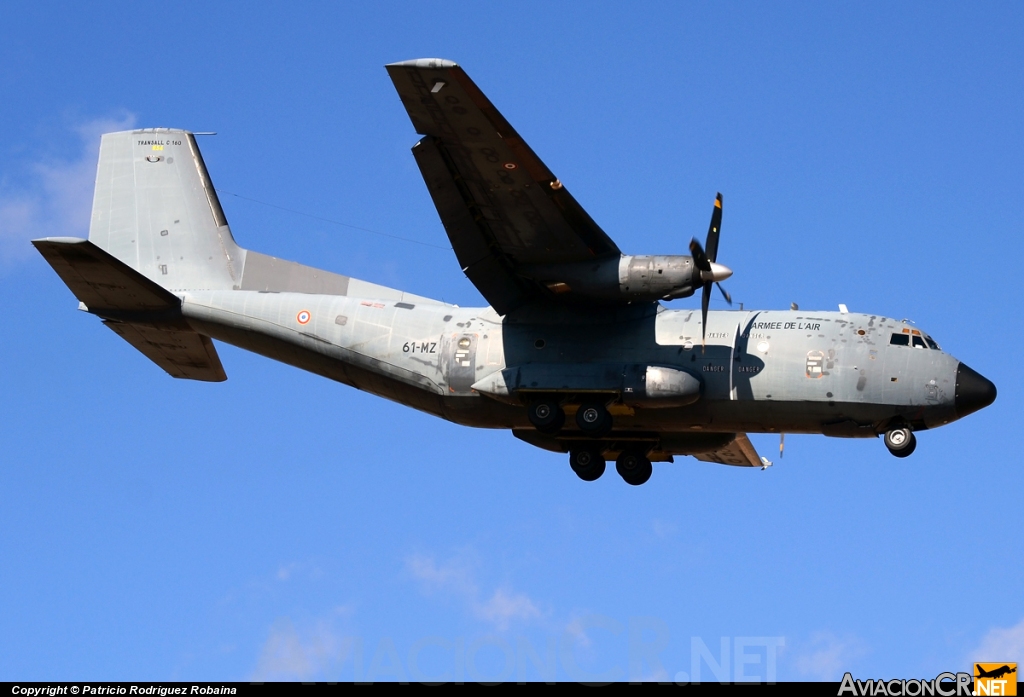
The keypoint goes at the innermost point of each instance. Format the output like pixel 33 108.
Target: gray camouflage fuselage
pixel 762 371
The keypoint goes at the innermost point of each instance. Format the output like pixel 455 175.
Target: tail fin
pixel 155 210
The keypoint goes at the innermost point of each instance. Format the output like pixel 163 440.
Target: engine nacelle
pixel 626 278
pixel 656 386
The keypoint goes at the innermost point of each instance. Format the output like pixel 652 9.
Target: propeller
pixel 710 272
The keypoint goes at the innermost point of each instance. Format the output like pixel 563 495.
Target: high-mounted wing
pixel 502 208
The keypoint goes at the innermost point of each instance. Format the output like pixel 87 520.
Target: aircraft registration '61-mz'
pixel 576 352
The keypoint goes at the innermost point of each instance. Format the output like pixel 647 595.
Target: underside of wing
pixel 504 211
pixel 739 453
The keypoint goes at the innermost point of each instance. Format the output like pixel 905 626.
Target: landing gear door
pixel 461 362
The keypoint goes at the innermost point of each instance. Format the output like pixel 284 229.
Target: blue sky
pixel 279 526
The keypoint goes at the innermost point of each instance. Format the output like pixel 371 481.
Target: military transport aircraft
pixel 575 354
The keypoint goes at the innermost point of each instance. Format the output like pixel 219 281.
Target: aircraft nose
pixel 973 391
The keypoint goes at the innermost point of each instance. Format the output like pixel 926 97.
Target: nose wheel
pixel 901 442
pixel 634 467
pixel 587 463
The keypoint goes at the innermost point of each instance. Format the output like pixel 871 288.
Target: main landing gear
pixel 632 465
pixel 900 441
pixel 587 463
pixel 593 419
pixel 546 416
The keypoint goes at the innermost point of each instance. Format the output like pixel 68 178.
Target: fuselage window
pixel 919 342
pixel 931 343
pixel 900 340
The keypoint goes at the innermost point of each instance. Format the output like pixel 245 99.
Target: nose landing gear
pixel 900 441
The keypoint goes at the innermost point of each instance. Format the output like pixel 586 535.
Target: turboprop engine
pixel 641 278
pixel 629 278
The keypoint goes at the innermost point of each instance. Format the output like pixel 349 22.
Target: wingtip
pixel 58 240
pixel 429 63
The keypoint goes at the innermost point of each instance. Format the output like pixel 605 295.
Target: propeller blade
pixel 703 261
pixel 705 298
pixel 700 259
pixel 714 229
pixel 782 444
pixel 725 293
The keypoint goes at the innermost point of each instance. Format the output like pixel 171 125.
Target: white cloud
pixel 53 196
pixel 317 651
pixel 664 529
pixel 504 606
pixel 285 571
pixel 1001 645
pixel 826 657
pixel 456 577
pixel 576 630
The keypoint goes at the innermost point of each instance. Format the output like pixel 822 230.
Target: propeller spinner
pixel 710 272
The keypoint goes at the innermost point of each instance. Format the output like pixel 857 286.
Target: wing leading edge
pixel 504 211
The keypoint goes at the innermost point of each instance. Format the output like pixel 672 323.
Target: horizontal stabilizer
pixel 141 312
pixel 183 353
pixel 101 281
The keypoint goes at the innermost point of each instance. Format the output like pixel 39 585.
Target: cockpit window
pixel 913 337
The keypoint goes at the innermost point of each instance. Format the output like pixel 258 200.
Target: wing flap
pixel 739 453
pixel 468 229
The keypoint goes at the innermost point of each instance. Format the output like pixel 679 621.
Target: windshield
pixel 913 338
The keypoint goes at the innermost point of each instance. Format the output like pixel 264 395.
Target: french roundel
pixel 302 317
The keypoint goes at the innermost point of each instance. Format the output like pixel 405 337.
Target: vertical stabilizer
pixel 155 209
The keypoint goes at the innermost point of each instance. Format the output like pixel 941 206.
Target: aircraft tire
pixel 593 419
pixel 901 442
pixel 587 463
pixel 634 467
pixel 546 416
